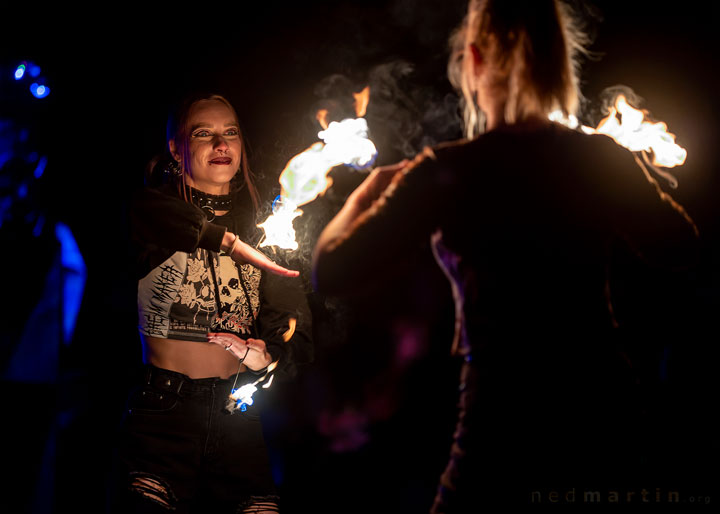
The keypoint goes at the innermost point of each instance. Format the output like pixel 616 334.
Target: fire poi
pixel 304 179
pixel 651 140
pixel 242 397
pixel 305 175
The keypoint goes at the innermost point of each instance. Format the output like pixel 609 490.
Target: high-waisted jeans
pixel 181 451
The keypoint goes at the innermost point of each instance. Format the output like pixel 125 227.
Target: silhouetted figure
pixel 524 217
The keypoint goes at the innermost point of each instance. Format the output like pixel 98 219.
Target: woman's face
pixel 214 146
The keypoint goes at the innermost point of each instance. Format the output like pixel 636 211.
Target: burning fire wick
pixel 642 137
pixel 242 397
pixel 305 175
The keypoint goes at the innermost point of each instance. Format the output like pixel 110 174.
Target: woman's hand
pixel 252 351
pixel 243 253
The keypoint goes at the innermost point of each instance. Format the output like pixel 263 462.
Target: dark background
pixel 366 427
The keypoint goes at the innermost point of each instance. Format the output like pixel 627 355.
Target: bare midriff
pixel 191 358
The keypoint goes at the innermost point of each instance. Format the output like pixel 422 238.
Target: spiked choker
pixel 210 203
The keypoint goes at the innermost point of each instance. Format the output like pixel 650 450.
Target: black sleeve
pixel 169 222
pixel 283 299
pixel 162 224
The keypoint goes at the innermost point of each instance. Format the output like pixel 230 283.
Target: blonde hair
pixel 530 50
pixel 178 131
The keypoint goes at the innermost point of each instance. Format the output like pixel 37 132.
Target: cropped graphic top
pixel 192 293
pixel 187 287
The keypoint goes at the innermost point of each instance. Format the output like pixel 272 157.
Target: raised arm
pixel 391 209
pixel 162 224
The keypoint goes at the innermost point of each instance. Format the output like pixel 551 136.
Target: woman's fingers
pixel 230 342
pixel 247 254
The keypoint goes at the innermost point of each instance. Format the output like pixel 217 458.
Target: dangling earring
pixel 173 168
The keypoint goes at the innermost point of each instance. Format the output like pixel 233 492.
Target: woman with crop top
pixel 210 322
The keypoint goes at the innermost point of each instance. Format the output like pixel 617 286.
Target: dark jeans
pixel 180 450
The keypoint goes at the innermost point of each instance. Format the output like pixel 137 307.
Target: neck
pixel 493 107
pixel 495 117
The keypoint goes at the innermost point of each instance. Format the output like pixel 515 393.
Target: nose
pixel 220 144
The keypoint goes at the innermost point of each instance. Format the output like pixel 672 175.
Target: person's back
pixel 541 209
pixel 524 220
pixel 528 221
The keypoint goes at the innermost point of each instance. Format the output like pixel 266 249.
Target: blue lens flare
pixel 39 90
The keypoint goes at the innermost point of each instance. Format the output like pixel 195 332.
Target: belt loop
pixel 148 374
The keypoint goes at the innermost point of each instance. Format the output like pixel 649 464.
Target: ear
pixel 174 150
pixel 478 60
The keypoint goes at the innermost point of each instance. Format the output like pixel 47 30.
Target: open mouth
pixel 221 161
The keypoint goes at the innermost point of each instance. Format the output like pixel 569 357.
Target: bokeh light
pixel 39 90
pixel 20 72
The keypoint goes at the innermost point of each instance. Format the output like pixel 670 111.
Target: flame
pixel 242 397
pixel 638 135
pixel 265 386
pixel 632 131
pixel 305 175
pixel 361 102
pixel 321 117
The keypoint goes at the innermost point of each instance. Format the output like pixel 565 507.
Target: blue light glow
pixel 40 168
pixel 20 72
pixel 74 273
pixel 39 90
pixel 33 70
pixel 5 157
pixel 278 198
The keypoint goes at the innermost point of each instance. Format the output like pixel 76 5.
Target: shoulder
pixel 435 164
